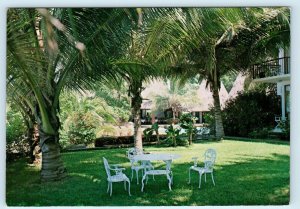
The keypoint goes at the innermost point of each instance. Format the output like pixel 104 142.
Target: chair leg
pixel 144 177
pixel 125 185
pixel 110 188
pixel 189 176
pixel 212 177
pixel 137 176
pixel 131 174
pixel 170 181
pixel 152 168
pixel 107 187
pixel 205 177
pixel 200 174
pixel 129 187
pixel 147 178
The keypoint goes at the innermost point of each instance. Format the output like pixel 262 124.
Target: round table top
pixel 156 156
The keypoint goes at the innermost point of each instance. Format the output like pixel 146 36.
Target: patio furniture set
pixel 142 161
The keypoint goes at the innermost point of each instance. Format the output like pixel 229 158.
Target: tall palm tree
pixel 147 54
pixel 52 49
pixel 218 40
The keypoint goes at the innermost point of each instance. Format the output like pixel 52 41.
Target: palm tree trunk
pixel 218 116
pixel 136 109
pixel 30 132
pixel 52 165
pixel 190 139
pixel 157 137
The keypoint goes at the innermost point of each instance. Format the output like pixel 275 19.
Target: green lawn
pixel 246 173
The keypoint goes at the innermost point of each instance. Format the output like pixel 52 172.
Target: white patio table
pixel 156 157
pixel 167 158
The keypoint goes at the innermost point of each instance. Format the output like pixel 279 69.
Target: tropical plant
pixel 45 55
pixel 20 119
pixel 187 122
pixel 155 128
pixel 173 135
pixel 148 132
pixel 88 115
pixel 178 98
pixel 15 127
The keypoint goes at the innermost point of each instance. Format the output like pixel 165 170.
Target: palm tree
pixel 49 50
pixel 218 40
pixel 146 55
pixel 179 97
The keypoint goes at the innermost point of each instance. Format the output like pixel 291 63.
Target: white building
pixel 276 71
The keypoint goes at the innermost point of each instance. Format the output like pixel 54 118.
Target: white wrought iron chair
pixel 118 177
pixel 154 172
pixel 209 161
pixel 135 166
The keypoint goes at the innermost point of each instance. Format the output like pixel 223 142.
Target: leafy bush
pixel 285 126
pixel 82 129
pixel 250 112
pixel 182 141
pixel 209 119
pixel 85 117
pixel 112 140
pixel 17 148
pixel 260 133
pixel 15 125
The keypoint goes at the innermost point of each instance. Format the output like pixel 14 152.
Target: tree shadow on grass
pixel 260 181
pixel 267 141
pixel 254 181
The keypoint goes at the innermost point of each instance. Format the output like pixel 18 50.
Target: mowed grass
pixel 246 173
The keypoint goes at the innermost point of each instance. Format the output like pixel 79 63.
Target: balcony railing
pixel 271 68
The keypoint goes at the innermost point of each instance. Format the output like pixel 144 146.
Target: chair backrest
pixel 210 158
pixel 106 166
pixel 131 152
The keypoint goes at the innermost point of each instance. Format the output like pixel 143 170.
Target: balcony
pixel 272 71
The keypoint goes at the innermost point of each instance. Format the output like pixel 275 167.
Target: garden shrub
pixel 17 148
pixel 209 119
pixel 15 125
pixel 173 138
pixel 260 133
pixel 82 128
pixel 249 113
pixel 285 126
pixel 113 140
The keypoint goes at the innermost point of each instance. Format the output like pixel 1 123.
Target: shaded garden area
pixel 152 79
pixel 246 173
